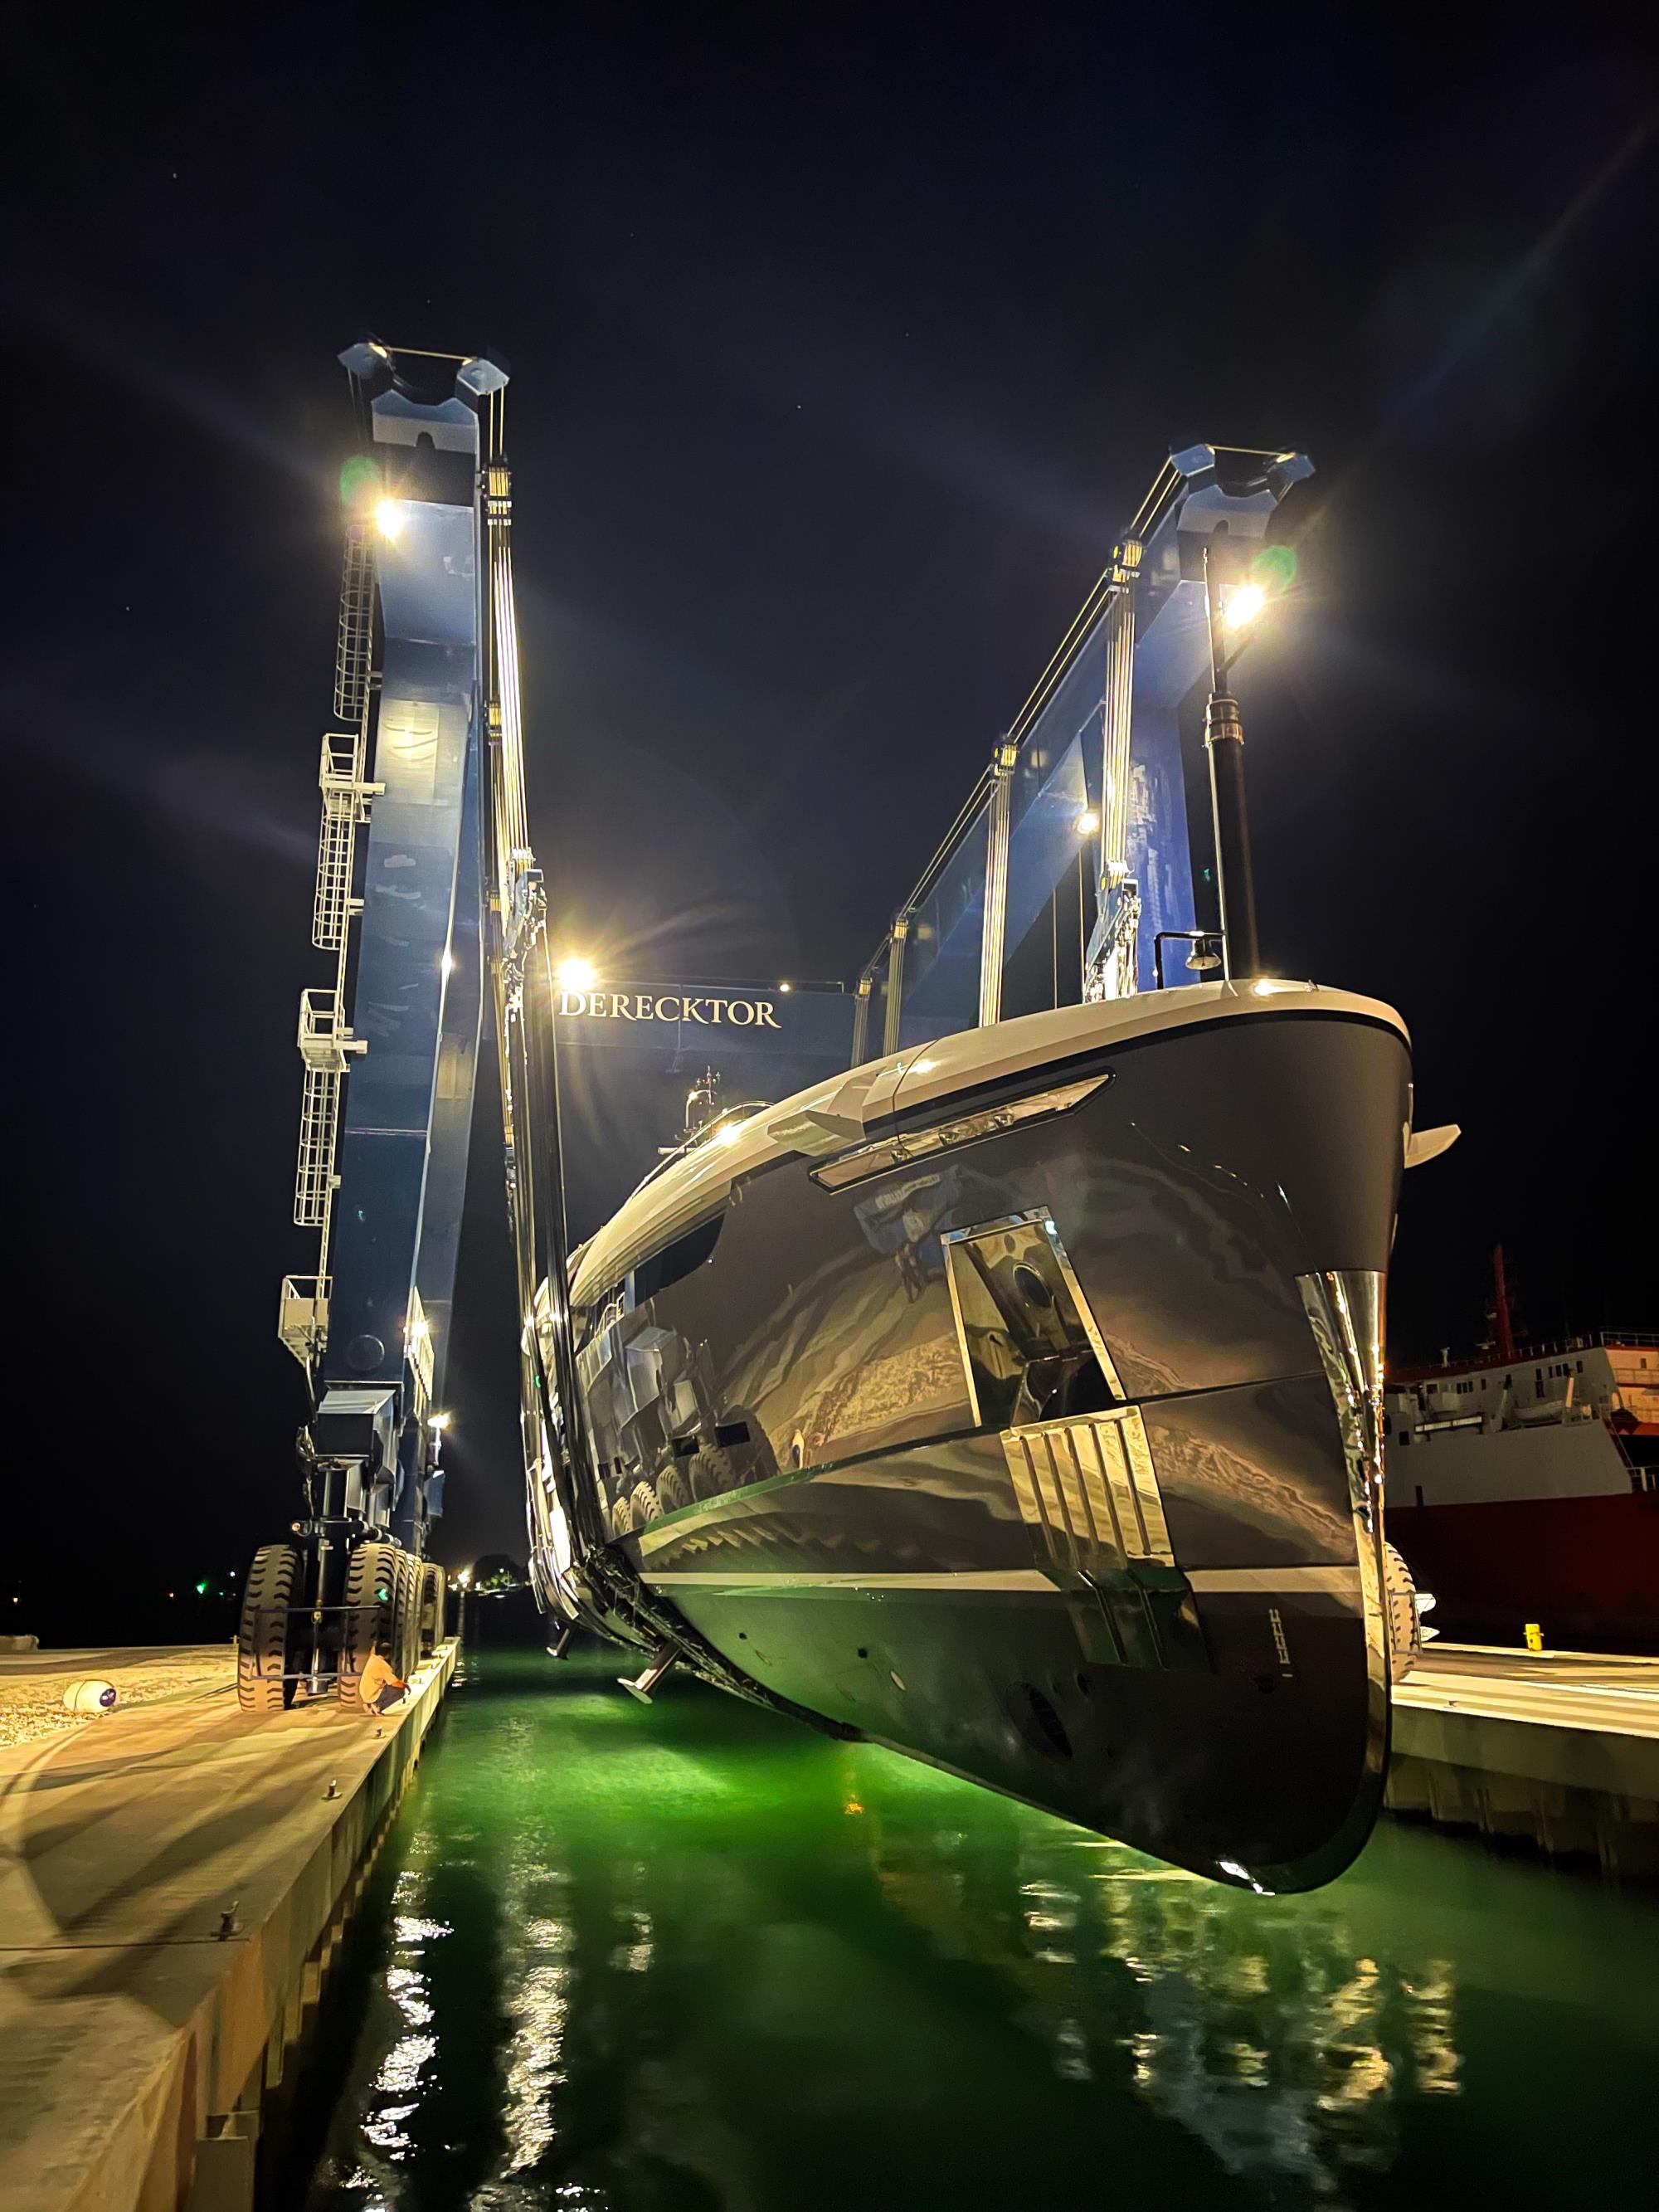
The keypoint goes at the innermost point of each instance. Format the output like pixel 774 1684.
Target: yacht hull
pixel 1046 1451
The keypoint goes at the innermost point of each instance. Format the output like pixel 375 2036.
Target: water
pixel 696 1959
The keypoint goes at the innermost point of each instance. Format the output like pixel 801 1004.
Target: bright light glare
pixel 575 974
pixel 1087 822
pixel 438 1421
pixel 389 516
pixel 786 987
pixel 1244 603
pixel 729 1133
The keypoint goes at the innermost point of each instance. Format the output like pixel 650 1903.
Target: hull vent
pixel 1034 1715
pixel 1090 1490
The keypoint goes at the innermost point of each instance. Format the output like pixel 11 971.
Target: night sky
pixel 843 346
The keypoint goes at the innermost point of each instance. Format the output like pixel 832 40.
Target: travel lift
pixel 401 1016
pixel 425 755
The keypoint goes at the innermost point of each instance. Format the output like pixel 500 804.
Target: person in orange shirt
pixel 379 1688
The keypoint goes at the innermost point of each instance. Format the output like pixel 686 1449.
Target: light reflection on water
pixel 692 1959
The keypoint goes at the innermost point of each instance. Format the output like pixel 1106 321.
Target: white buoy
pixel 91 1696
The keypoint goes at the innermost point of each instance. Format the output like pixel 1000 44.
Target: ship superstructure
pixel 1524 1485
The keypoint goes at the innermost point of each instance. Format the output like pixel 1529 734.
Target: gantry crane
pixel 430 899
pixel 422 791
pixel 430 902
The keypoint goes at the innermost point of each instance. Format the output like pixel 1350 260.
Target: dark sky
pixel 842 345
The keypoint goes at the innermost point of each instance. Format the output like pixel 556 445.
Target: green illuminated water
pixel 695 1960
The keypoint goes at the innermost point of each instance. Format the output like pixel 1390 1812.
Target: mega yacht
pixel 1014 1402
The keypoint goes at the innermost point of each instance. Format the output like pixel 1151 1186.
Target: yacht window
pixel 676 1260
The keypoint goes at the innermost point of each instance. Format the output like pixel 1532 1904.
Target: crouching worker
pixel 378 1686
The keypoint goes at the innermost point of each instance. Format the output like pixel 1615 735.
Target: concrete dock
pixel 173 1880
pixel 1558 1747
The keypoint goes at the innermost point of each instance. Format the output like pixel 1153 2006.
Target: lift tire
pixel 715 1471
pixel 621 1518
pixel 432 1606
pixel 673 1489
pixel 1400 1609
pixel 369 1595
pixel 645 1505
pixel 262 1636
pixel 406 1616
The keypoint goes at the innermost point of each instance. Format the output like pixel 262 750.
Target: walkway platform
pixel 1558 1747
pixel 174 1881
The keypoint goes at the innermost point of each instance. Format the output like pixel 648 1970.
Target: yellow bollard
pixel 1535 1636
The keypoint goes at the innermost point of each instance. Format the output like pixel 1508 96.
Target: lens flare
pixel 360 479
pixel 1274 566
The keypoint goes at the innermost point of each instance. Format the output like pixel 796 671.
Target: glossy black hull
pixel 1136 1581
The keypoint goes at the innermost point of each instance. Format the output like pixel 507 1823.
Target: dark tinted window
pixel 677 1259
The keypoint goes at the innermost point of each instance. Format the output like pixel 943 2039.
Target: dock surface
pixel 173 1879
pixel 1559 1747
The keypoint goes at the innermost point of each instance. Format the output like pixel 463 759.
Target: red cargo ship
pixel 1523 1486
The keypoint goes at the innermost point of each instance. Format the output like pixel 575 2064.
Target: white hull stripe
pixel 1287 1581
pixel 1291 1582
pixel 992 1578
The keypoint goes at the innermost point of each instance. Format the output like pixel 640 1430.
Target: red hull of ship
pixel 1585 1568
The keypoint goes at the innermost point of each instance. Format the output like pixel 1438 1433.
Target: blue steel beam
pixel 408 1103
pixel 1060 768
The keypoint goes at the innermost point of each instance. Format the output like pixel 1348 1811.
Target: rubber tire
pixel 715 1472
pixel 432 1606
pixel 646 1507
pixel 262 1631
pixel 406 1616
pixel 370 1593
pixel 621 1518
pixel 673 1489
